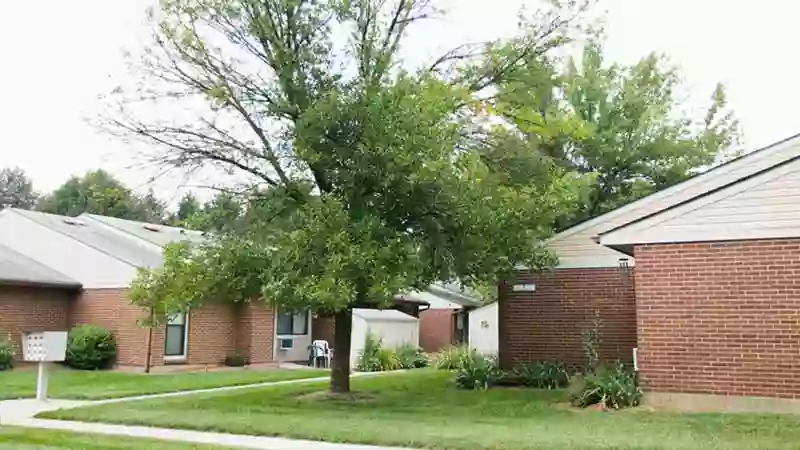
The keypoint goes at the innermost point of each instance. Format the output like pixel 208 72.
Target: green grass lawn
pixel 83 385
pixel 12 438
pixel 423 409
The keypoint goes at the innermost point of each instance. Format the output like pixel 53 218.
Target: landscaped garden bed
pixel 424 409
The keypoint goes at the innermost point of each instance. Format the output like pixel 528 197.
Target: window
pixel 292 324
pixel 175 336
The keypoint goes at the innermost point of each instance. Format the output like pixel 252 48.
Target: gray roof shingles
pixel 16 268
pixel 147 231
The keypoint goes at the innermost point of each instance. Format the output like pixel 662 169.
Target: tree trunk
pixel 149 349
pixel 340 372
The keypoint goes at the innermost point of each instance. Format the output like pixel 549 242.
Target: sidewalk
pixel 195 437
pixel 21 413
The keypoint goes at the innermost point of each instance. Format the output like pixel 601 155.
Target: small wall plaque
pixel 524 288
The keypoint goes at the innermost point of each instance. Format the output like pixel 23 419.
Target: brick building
pixel 32 297
pixel 701 278
pixel 57 272
pixel 444 321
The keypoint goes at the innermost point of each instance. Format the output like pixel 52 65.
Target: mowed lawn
pixel 87 385
pixel 422 409
pixel 12 438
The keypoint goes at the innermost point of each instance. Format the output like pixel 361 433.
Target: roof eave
pixel 37 283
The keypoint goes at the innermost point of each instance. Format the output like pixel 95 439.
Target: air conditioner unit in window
pixel 285 344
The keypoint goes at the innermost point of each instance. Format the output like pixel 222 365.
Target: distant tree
pixel 16 189
pixel 148 208
pixel 625 129
pixel 224 212
pixel 98 192
pixel 188 207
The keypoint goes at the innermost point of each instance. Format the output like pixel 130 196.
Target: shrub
pixel 410 357
pixel 449 358
pixel 612 387
pixel 6 355
pixel 90 347
pixel 375 358
pixel 475 371
pixel 541 375
pixel 235 360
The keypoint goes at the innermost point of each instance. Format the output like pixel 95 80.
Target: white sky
pixel 57 57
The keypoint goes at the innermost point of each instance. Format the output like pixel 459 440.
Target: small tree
pixel 369 180
pixel 16 189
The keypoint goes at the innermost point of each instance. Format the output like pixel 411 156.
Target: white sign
pixel 524 288
pixel 44 347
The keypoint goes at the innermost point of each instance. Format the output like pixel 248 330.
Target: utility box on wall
pixel 44 346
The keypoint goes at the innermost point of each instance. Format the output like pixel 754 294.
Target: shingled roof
pixel 18 269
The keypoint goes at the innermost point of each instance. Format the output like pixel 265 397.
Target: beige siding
pixel 765 206
pixel 580 251
pixel 575 247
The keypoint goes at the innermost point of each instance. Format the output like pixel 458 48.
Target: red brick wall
pixel 720 318
pixel 211 334
pixel 436 329
pixel 111 309
pixel 322 329
pixel 255 332
pixel 32 309
pixel 215 330
pixel 547 324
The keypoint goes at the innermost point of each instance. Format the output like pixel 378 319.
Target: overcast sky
pixel 58 56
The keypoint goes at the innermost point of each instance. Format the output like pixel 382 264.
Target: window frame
pixel 306 327
pixel 184 336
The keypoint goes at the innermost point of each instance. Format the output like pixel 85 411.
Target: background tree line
pixel 621 131
pixel 99 192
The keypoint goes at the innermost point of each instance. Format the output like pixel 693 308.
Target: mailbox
pixel 44 346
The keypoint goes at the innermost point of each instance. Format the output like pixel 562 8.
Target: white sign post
pixel 44 347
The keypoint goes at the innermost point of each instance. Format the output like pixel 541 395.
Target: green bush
pixel 450 357
pixel 90 347
pixel 475 371
pixel 375 358
pixel 235 360
pixel 541 375
pixel 612 387
pixel 411 357
pixel 6 355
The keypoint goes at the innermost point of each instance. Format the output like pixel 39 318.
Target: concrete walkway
pixel 194 437
pixel 21 413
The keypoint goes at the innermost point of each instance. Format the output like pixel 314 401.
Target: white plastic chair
pixel 321 351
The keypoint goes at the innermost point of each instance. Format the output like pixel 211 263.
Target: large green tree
pixel 368 180
pixel 188 207
pixel 16 189
pixel 628 130
pixel 98 192
pixel 224 213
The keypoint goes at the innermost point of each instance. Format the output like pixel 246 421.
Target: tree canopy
pixel 188 207
pixel 98 192
pixel 368 179
pixel 625 129
pixel 16 189
pixel 222 213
